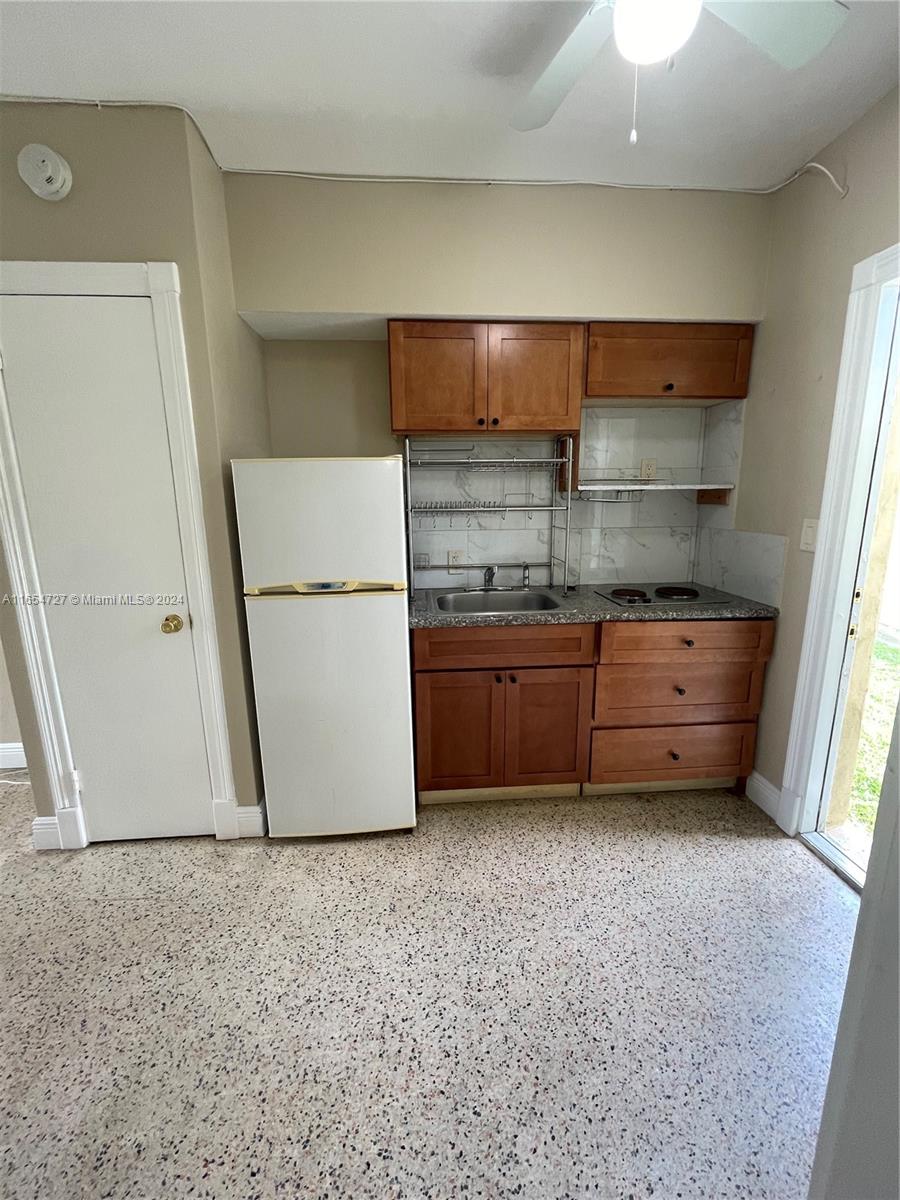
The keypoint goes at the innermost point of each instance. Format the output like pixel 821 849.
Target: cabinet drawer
pixel 672 752
pixel 686 641
pixel 503 646
pixel 677 694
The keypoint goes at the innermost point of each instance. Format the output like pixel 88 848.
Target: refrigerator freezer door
pixel 320 519
pixel 335 718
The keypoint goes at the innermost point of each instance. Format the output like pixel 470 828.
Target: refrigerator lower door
pixel 333 701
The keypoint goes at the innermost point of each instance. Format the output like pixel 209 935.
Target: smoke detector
pixel 46 172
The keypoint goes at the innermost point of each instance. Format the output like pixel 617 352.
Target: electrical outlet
pixel 455 559
pixel 648 468
pixel 808 534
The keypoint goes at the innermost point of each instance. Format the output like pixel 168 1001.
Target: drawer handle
pixel 512 679
pixel 689 642
pixel 498 679
pixel 680 690
pixel 675 757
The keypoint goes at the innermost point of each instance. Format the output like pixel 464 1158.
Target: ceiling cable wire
pixel 632 137
pixel 334 177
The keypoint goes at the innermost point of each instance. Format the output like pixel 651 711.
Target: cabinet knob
pixel 668 387
pixel 481 420
pixel 675 757
pixel 495 420
pixel 498 679
pixel 512 679
pixel 689 642
pixel 680 691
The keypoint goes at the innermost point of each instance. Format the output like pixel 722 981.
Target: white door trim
pixel 865 393
pixel 159 282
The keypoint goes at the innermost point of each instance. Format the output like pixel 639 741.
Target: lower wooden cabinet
pixel 548 717
pixel 460 733
pixel 478 729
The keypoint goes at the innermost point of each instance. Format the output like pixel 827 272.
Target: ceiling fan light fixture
pixel 648 31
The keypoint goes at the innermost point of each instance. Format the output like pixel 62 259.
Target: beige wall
pixel 142 192
pixel 9 722
pixel 329 398
pixel 816 239
pixel 241 431
pixel 461 250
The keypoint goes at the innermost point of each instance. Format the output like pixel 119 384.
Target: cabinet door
pixel 548 717
pixel 438 376
pixel 645 359
pixel 535 377
pixel 459 729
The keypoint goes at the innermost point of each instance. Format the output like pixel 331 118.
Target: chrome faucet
pixel 489 573
pixel 526 575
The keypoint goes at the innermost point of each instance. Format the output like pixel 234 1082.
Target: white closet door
pixel 86 406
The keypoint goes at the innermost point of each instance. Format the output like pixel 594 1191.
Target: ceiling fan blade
pixel 573 57
pixel 792 33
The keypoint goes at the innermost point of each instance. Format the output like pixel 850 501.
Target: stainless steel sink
pixel 497 601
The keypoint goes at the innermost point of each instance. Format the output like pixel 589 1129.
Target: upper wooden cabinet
pixel 481 377
pixel 439 376
pixel 667 359
pixel 534 376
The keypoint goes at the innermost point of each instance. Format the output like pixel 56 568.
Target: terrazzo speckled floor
pixel 612 998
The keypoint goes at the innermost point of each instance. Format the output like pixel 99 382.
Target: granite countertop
pixel 583 605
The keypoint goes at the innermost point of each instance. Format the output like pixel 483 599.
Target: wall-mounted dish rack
pixel 561 461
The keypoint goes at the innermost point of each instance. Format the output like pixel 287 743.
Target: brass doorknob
pixel 172 623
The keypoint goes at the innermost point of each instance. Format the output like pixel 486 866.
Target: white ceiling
pixel 427 89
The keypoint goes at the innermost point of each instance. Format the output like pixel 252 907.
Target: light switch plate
pixel 809 534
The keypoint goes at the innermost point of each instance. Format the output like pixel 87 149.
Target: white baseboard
pixel 233 820
pixel 775 802
pixel 251 820
pixel 65 831
pixel 12 755
pixel 45 833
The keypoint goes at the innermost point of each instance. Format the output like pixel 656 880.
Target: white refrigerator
pixel 323 552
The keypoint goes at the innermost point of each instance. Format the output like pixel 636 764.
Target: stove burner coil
pixel 676 593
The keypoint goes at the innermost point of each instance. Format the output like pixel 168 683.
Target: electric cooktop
pixel 660 593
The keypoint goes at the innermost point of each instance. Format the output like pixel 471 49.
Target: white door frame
pixel 866 388
pixel 67 830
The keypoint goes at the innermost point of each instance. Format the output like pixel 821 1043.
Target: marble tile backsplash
pixel 748 564
pixel 664 535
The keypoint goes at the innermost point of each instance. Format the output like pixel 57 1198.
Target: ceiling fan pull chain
pixel 632 138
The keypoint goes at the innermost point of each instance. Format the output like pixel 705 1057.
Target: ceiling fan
pixel 648 31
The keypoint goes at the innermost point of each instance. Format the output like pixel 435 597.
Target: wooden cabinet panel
pixel 503 646
pixel 634 694
pixel 672 752
pixel 548 717
pixel 534 376
pixel 438 376
pixel 460 729
pixel 686 641
pixel 667 359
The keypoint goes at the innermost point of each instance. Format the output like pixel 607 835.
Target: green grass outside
pixel 875 737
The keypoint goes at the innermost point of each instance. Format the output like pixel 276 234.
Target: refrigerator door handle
pixel 328 587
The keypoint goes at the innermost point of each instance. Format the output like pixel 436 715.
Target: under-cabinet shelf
pixel 631 491
pixel 652 485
